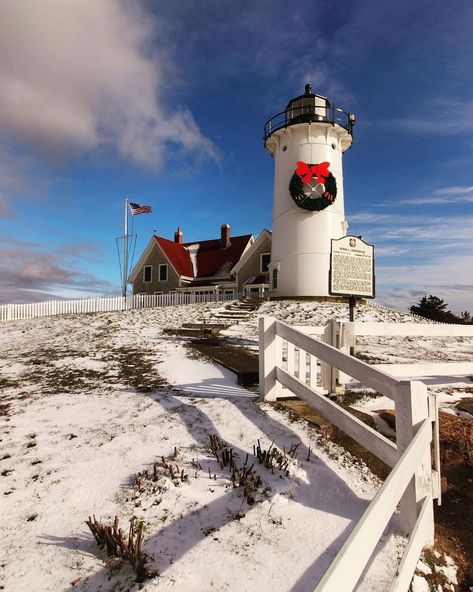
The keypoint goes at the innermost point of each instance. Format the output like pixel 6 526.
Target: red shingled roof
pixel 178 256
pixel 212 260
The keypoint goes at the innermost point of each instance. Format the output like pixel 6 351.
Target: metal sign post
pixel 352 272
pixel 352 317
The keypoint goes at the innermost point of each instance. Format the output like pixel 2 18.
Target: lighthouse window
pixel 147 273
pixel 275 279
pixel 284 148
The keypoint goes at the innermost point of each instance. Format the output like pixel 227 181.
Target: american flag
pixel 137 209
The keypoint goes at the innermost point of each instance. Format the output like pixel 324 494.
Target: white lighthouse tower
pixel 307 141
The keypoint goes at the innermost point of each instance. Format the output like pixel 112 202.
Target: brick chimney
pixel 178 236
pixel 225 236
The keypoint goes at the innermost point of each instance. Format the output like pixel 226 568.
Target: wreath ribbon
pixel 306 172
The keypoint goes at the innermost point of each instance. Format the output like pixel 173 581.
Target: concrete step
pixel 204 325
pixel 196 332
pixel 232 317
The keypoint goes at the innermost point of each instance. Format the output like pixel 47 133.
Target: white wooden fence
pixel 412 483
pixel 348 332
pixel 10 312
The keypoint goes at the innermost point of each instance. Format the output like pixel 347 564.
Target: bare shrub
pixel 119 546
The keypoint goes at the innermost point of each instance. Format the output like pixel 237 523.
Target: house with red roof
pixel 229 265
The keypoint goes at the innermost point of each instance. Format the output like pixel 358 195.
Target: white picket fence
pixel 412 483
pixel 10 312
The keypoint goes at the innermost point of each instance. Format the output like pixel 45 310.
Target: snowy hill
pixel 90 401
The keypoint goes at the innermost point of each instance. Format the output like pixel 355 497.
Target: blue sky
pixel 166 102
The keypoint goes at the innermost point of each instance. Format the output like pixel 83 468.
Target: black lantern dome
pixel 309 108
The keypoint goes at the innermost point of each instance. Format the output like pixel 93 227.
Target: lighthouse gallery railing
pixel 309 114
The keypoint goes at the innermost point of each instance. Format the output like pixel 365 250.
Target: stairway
pixel 239 310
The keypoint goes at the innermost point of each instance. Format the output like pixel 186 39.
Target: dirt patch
pixel 352 397
pixel 328 430
pixel 137 370
pixel 454 521
pixel 368 358
pixel 4 408
pixel 6 383
pixel 63 379
pixel 466 405
pixel 131 367
pixel 456 438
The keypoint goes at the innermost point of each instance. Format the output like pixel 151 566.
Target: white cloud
pixel 449 277
pixel 390 251
pixel 435 255
pixel 455 190
pixel 30 273
pixel 440 117
pixel 412 228
pixel 5 209
pixel 435 200
pixel 75 76
pixel 444 195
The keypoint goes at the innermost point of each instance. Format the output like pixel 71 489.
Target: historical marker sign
pixel 351 268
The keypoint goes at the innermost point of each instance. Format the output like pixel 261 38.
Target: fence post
pixel 269 356
pixel 330 375
pixel 411 404
pixel 9 312
pixel 325 368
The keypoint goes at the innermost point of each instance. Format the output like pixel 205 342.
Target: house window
pixel 274 279
pixel 265 259
pixel 147 273
pixel 163 272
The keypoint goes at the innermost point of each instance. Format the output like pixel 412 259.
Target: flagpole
pixel 125 245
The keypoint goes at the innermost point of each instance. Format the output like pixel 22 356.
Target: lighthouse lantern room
pixel 307 141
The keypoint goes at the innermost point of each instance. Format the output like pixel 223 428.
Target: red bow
pixel 306 172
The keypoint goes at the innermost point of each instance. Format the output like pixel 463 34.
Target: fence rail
pixel 303 364
pixel 441 372
pixel 11 312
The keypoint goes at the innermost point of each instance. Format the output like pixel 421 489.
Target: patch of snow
pixel 449 571
pixel 200 378
pixel 193 250
pixel 423 568
pixel 419 584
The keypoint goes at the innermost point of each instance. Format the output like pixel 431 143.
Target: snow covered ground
pixel 89 401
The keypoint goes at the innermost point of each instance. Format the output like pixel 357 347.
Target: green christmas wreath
pixel 309 195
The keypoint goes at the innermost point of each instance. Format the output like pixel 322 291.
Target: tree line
pixel 436 309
